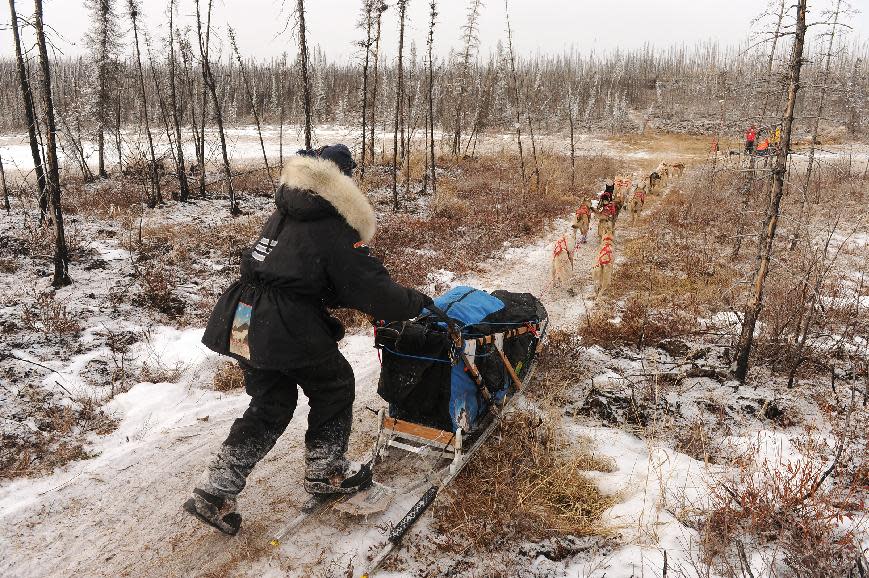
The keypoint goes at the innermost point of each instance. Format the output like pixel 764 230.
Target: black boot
pixel 355 477
pixel 214 510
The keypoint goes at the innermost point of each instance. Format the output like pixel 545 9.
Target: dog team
pixel 619 193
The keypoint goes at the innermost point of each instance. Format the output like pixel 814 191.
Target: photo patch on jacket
pixel 238 343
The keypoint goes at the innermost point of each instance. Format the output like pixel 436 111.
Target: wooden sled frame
pixel 419 439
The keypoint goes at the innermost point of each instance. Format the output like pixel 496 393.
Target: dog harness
pixel 560 246
pixel 583 210
pixel 640 194
pixel 605 256
pixel 609 209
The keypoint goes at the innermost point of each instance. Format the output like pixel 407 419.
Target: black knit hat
pixel 338 154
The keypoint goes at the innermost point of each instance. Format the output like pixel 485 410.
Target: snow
pixel 118 513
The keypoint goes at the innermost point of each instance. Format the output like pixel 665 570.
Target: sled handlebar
pixel 452 329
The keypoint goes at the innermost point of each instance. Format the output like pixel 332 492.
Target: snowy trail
pixel 119 513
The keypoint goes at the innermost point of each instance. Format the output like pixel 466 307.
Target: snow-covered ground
pixel 118 513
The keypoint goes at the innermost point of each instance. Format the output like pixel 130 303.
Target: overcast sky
pixel 547 26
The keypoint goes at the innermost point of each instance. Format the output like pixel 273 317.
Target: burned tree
pixel 379 9
pixel 156 196
pixel 61 255
pixel 208 79
pixel 399 101
pixel 303 66
pixel 471 40
pixel 30 115
pixel 515 92
pixel 770 224
pixel 103 41
pixel 366 23
pixel 253 105
pixel 4 187
pixel 431 143
pixel 183 188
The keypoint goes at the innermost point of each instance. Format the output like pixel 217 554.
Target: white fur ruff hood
pixel 323 178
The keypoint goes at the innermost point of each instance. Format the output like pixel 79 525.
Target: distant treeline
pixel 679 89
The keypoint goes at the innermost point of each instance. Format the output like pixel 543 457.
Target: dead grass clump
pixel 525 484
pixel 229 376
pixel 637 325
pixel 60 437
pixel 559 368
pixel 48 315
pixel 158 290
pixel 160 373
pixel 101 197
pixel 8 265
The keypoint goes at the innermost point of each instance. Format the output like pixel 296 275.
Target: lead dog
pixel 562 263
pixel 678 169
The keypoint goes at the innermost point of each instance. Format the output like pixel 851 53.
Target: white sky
pixel 547 26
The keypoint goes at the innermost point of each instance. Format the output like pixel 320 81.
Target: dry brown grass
pixel 526 483
pixel 229 376
pixel 48 315
pixel 60 439
pixel 481 204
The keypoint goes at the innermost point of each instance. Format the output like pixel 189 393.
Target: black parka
pixel 311 255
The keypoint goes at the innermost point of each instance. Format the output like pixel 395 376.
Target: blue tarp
pixel 468 306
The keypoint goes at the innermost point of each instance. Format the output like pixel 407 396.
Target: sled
pixel 445 372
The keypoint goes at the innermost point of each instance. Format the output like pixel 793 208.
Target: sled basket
pixel 441 381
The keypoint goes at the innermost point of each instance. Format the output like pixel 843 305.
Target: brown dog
pixel 678 169
pixel 562 263
pixel 638 201
pixel 602 271
pixel 605 226
pixel 582 221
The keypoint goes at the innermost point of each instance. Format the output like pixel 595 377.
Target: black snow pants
pixel 330 389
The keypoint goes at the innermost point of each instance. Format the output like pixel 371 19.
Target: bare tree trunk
pixel 303 63
pixel 431 142
pixel 156 197
pixel 3 186
pixel 534 154
pixel 208 78
pixel 753 308
pixel 283 99
pixel 572 146
pixel 380 9
pixel 368 8
pixel 118 132
pixel 158 89
pixel 469 31
pixel 253 107
pixel 186 59
pixel 817 120
pixel 61 255
pixel 399 93
pixel 202 191
pixel 184 190
pixel 103 96
pixel 29 113
pixel 515 95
